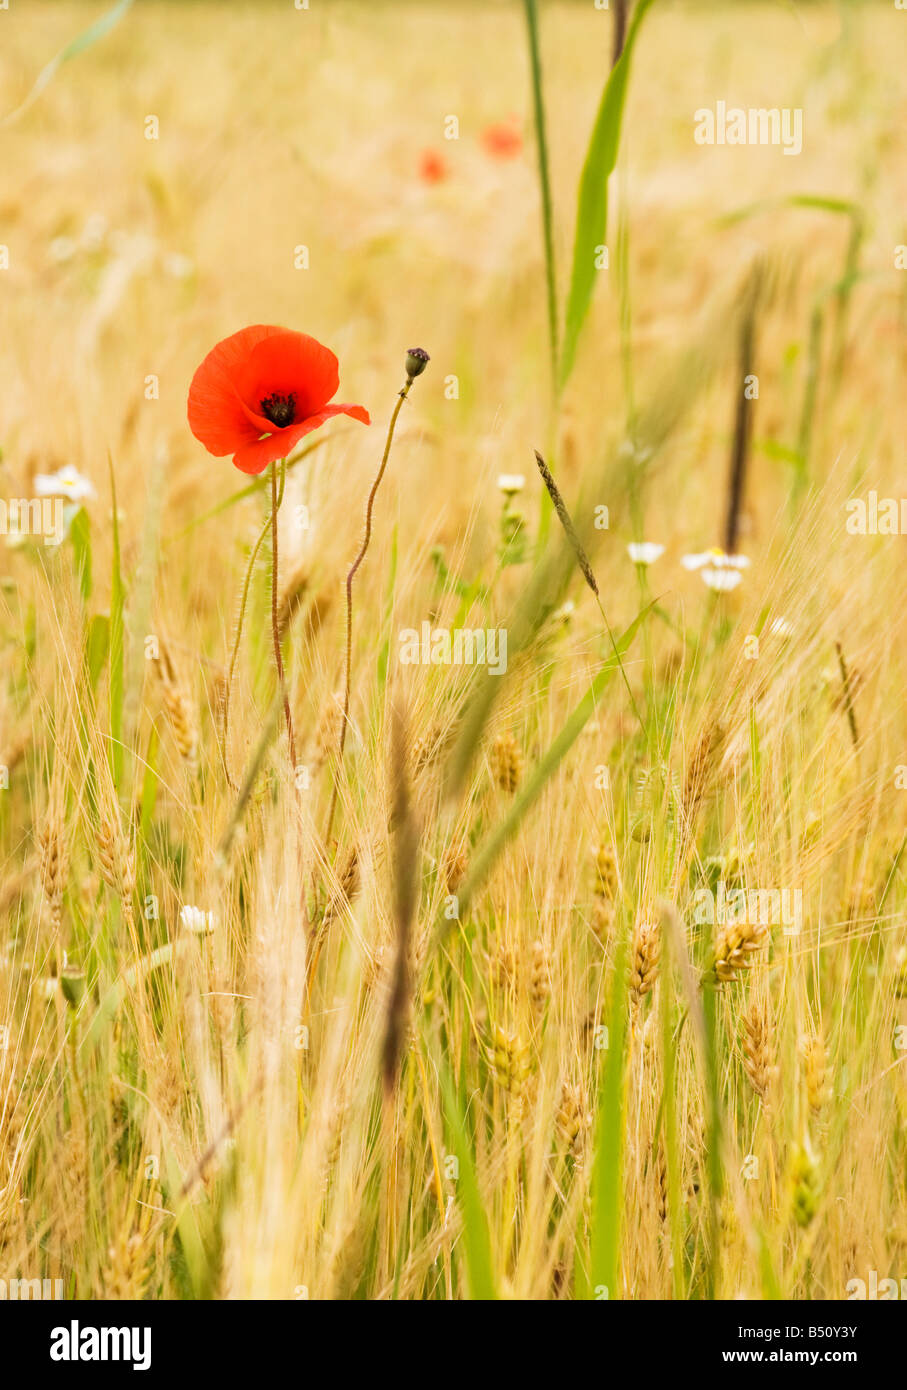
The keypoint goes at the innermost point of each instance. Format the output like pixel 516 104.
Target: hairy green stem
pixel 276 499
pixel 234 655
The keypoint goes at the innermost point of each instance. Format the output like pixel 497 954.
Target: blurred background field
pixel 169 1132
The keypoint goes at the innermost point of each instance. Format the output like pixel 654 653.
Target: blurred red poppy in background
pixel 259 391
pixel 432 167
pixel 502 141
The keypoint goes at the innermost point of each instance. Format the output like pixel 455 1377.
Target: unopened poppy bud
pixel 72 982
pixel 417 360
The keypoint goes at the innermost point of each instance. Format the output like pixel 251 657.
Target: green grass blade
pixel 97 647
pixel 592 201
pixel 814 202
pixel 476 1238
pixel 80 537
pixel 541 140
pixel 607 1171
pixel 115 994
pixel 79 44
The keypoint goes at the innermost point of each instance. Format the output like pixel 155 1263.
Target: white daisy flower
pixel 721 580
pixel 511 483
pixel 716 559
pixel 644 552
pixel 196 920
pixel 68 482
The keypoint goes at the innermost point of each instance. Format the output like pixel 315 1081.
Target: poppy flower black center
pixel 279 409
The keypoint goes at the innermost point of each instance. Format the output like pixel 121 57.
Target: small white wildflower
pixel 67 482
pixel 715 559
pixel 718 570
pixel 196 920
pixel 511 483
pixel 645 552
pixel 721 580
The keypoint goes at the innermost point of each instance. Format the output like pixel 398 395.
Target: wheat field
pixel 486 1027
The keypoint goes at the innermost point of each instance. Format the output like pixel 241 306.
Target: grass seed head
pixel 509 1057
pixel 178 707
pixel 758 1050
pixel 116 857
pixel 125 1275
pixel 574 1119
pixel 736 944
pixel 540 982
pixel 603 920
pixel 815 1066
pixel 507 761
pixel 455 865
pixel 54 858
pixel 605 873
pixel 644 961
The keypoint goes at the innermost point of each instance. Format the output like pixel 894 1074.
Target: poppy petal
pixel 254 456
pixel 216 415
pixel 288 363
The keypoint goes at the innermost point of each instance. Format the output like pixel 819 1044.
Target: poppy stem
pixel 234 655
pixel 276 499
pixel 349 601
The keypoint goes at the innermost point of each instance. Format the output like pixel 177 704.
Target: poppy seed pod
pixel 417 360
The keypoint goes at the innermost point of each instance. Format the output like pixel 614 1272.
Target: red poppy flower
pixel 432 167
pixel 502 141
pixel 259 391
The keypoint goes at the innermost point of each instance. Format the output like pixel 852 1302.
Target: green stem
pixel 234 655
pixel 532 24
pixel 276 499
